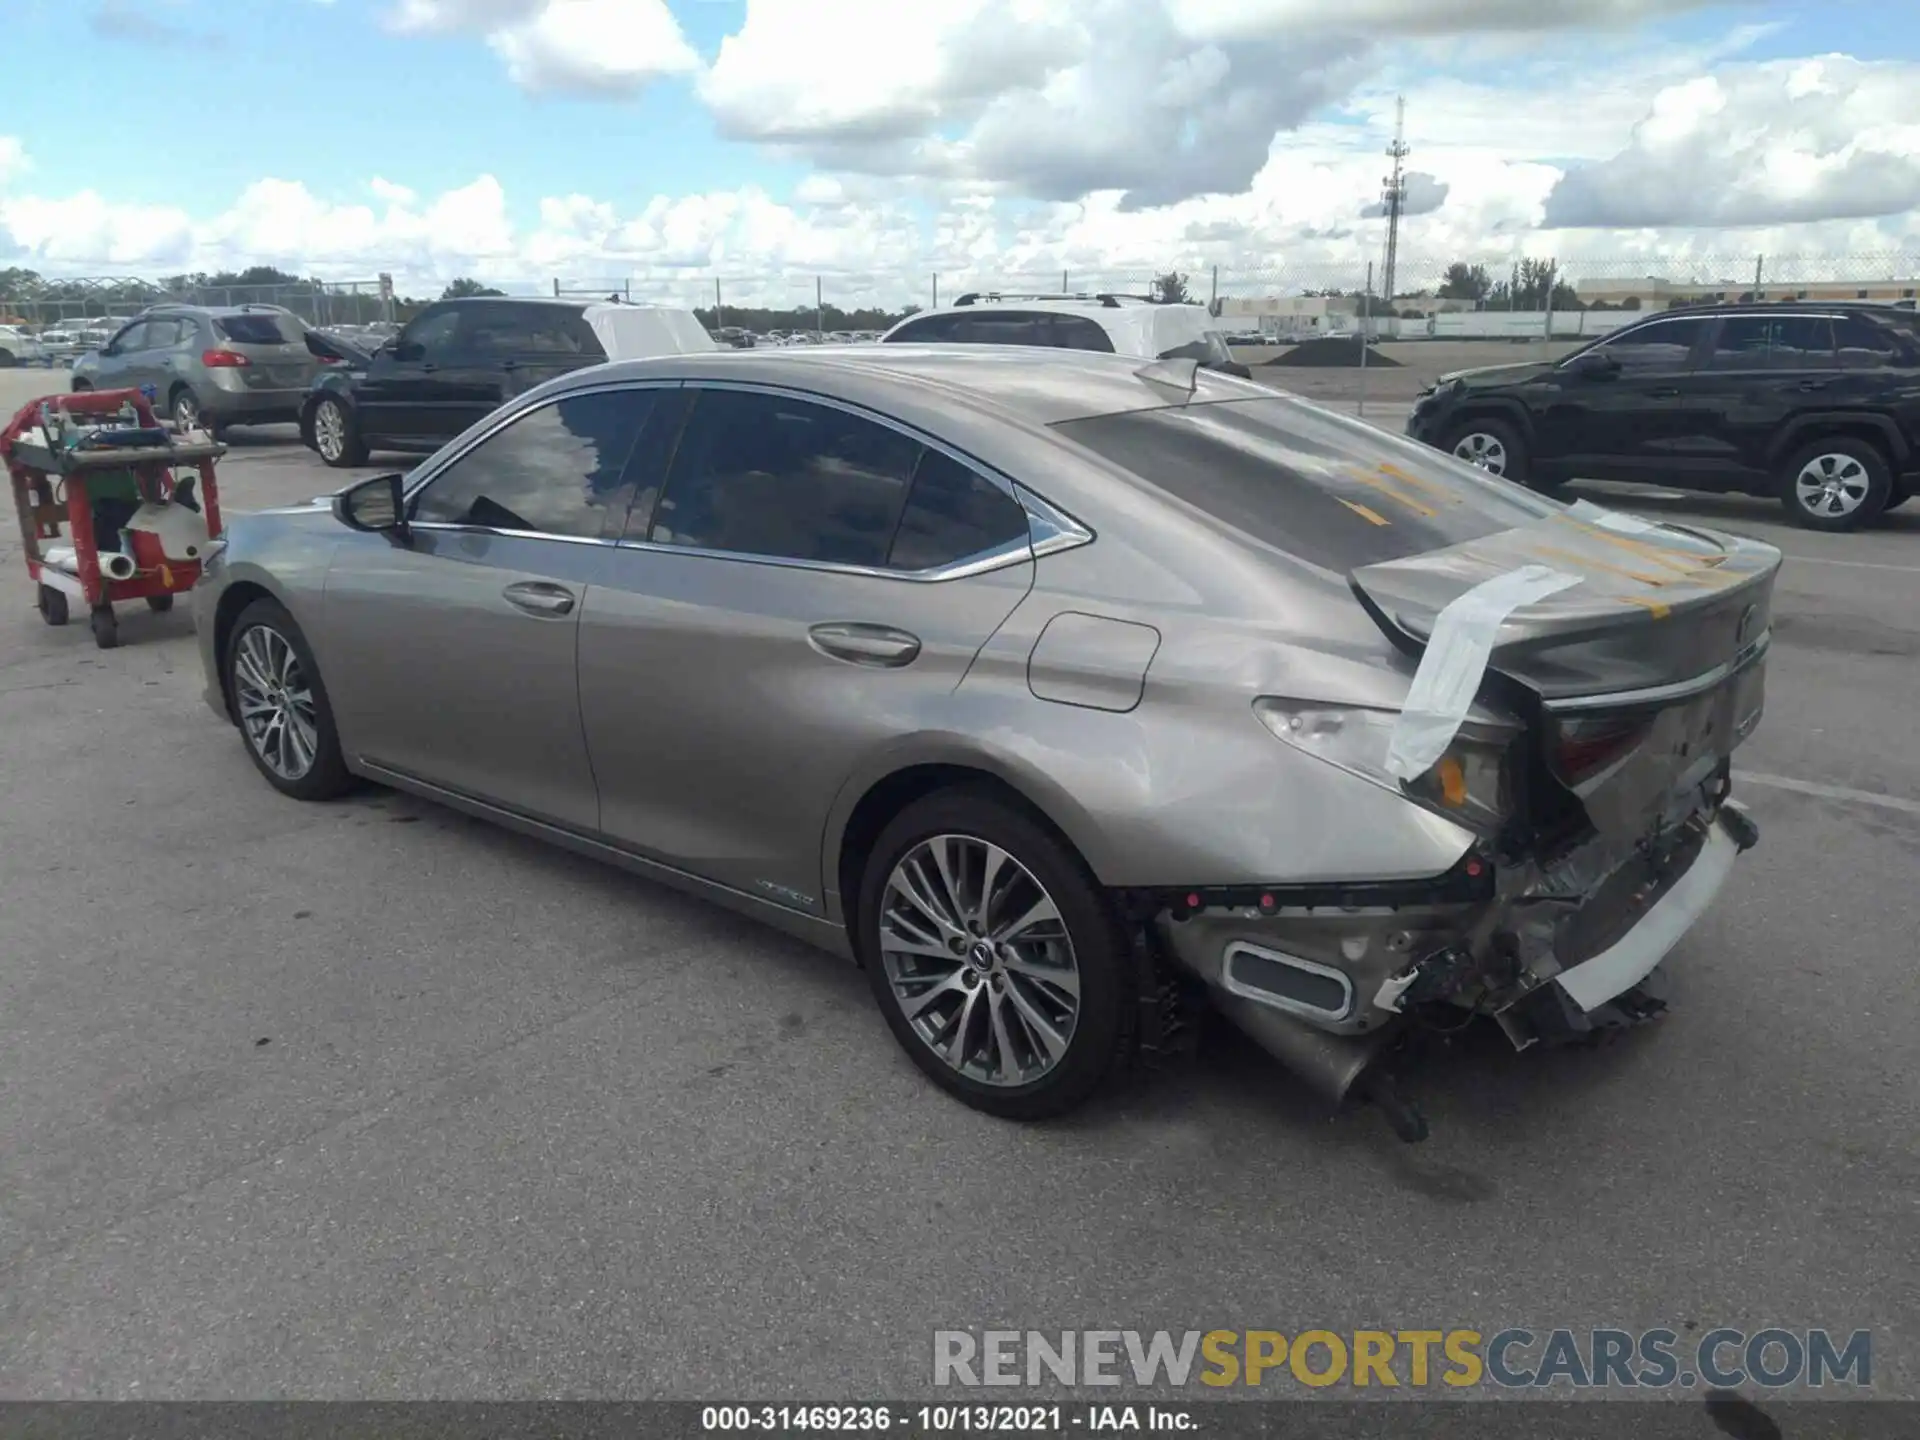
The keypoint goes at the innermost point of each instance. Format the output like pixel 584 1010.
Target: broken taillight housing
pixel 1471 783
pixel 1587 747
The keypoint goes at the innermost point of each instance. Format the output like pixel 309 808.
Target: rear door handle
pixel 1663 394
pixel 857 644
pixel 538 598
pixel 1815 384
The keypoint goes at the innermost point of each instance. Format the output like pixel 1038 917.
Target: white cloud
pixel 1785 142
pixel 604 47
pixel 1221 19
pixel 13 158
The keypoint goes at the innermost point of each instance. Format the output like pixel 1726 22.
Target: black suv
pixel 455 362
pixel 1818 404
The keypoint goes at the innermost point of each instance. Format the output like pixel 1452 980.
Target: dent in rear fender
pixel 1188 787
pixel 1091 661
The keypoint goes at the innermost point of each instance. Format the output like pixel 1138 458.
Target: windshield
pixel 1333 492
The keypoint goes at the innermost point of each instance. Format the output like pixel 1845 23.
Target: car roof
pixel 1809 306
pixel 1040 385
pixel 1136 326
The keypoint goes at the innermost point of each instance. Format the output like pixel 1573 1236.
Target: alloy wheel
pixel 275 701
pixel 330 431
pixel 186 410
pixel 1831 486
pixel 1483 450
pixel 979 960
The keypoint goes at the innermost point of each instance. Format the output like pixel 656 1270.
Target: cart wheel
pixel 159 604
pixel 106 630
pixel 53 605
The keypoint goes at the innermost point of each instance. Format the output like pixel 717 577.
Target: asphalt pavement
pixel 374 1100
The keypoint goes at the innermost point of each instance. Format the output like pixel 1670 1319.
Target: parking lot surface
pixel 371 1099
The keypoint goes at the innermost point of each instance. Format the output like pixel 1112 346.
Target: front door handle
pixel 538 598
pixel 1815 384
pixel 1663 394
pixel 857 644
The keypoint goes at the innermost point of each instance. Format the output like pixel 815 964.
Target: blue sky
pixel 856 134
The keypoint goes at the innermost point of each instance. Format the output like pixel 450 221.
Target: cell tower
pixel 1393 196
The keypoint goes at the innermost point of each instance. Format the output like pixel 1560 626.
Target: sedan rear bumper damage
pixel 1553 953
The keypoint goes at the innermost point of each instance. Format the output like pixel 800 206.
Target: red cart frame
pixel 50 487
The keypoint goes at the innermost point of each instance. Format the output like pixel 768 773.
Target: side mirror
pixel 1235 368
pixel 374 506
pixel 1594 365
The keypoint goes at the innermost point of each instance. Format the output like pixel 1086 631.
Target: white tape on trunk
pixel 1448 680
pixel 1621 523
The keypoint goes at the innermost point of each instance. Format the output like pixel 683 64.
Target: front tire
pixel 1835 484
pixel 281 706
pixel 995 956
pixel 336 438
pixel 1496 447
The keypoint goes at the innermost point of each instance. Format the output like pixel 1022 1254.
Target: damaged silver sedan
pixel 1053 690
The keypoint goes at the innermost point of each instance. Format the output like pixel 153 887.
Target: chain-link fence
pixel 847 300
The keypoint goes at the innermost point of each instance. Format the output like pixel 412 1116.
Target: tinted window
pixel 934 330
pixel 1005 328
pixel 1209 349
pixel 1865 343
pixel 766 475
pixel 432 332
pixel 555 470
pixel 1760 342
pixel 1663 345
pixel 1076 332
pixel 1327 490
pixel 953 512
pixel 253 329
pixel 526 330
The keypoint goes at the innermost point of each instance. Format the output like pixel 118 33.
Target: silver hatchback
pixel 218 366
pixel 1059 691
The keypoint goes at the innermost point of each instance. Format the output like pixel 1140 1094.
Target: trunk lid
pixel 1645 673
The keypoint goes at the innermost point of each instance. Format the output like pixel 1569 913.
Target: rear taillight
pixel 1585 748
pixel 224 359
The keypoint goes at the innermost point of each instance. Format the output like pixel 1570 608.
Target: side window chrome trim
pixel 1014 552
pixel 1050 530
pixel 443 528
pixel 499 421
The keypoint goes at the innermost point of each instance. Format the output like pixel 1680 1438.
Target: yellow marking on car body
pixel 1364 513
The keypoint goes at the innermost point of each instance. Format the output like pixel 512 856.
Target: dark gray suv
pixel 212 365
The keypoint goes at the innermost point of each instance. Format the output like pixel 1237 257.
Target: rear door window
pixel 932 330
pixel 1773 342
pixel 252 329
pixel 953 513
pixel 160 334
pixel 1007 327
pixel 1332 492
pixel 769 475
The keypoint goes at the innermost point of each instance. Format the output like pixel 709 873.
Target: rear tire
pixel 1023 1021
pixel 184 406
pixel 1837 483
pixel 271 676
pixel 106 629
pixel 336 436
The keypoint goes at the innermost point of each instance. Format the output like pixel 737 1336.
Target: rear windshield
pixel 251 329
pixel 1333 492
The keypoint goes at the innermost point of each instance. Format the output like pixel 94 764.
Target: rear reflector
pixel 223 359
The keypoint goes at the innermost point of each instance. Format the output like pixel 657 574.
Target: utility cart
pixel 114 506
